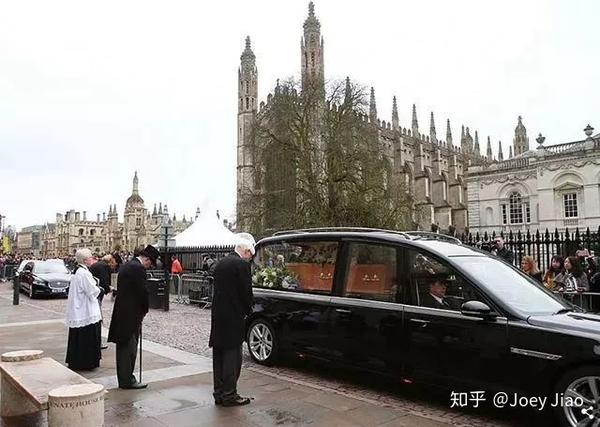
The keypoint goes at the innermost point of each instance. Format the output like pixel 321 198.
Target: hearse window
pixel 300 267
pixel 371 272
pixel 436 285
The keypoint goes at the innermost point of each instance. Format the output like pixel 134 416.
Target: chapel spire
pixel 372 107
pixel 432 134
pixel 415 123
pixel 395 119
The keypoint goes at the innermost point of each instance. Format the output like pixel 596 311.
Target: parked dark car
pixel 424 308
pixel 44 278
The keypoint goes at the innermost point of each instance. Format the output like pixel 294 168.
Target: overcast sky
pixel 92 91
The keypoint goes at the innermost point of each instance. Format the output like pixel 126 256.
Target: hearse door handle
pixel 421 322
pixel 343 311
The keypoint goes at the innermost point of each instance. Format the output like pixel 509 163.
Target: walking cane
pixel 140 352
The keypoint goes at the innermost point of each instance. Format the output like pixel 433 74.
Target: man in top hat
pixel 436 298
pixel 232 302
pixel 131 305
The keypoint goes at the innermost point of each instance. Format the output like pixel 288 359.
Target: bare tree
pixel 318 162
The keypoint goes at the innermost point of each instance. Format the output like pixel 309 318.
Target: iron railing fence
pixel 542 245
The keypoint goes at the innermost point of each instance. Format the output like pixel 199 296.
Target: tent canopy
pixel 207 230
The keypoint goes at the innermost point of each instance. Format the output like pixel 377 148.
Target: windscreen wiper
pixel 564 310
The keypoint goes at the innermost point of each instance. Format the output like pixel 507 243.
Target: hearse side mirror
pixel 477 309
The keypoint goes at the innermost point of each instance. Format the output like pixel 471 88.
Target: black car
pixel 423 308
pixel 44 278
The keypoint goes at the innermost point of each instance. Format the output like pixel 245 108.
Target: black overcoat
pixel 101 271
pixel 232 302
pixel 131 303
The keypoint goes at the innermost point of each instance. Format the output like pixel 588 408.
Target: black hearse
pixel 422 307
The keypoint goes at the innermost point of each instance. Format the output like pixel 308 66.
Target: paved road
pixel 187 328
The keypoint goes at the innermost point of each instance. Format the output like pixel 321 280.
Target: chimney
pixel 84 215
pixel 59 218
pixel 97 217
pixel 77 216
pixel 103 216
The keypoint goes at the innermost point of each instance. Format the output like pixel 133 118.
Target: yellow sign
pixel 6 245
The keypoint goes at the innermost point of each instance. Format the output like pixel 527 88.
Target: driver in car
pixel 436 298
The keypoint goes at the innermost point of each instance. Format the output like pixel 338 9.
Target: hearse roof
pixel 439 243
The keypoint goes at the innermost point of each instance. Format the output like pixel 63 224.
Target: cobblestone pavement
pixel 187 327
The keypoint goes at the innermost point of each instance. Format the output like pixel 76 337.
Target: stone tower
pixel 247 102
pixel 134 226
pixel 521 140
pixel 312 59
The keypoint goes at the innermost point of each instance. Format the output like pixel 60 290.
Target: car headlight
pixel 39 282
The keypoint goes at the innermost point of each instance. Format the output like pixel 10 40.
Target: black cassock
pixel 232 302
pixel 131 305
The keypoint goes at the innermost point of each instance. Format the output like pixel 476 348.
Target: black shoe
pixel 218 402
pixel 134 386
pixel 104 347
pixel 237 401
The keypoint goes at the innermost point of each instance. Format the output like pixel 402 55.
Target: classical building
pixel 431 166
pixel 74 230
pixel 551 187
pixel 29 240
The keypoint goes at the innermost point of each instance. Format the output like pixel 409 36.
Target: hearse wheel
pixel 262 342
pixel 580 392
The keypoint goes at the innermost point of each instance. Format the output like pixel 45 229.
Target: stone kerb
pixel 76 405
pixel 22 355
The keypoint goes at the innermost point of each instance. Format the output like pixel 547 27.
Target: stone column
pixel 76 405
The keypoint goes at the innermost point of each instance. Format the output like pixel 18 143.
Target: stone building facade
pixel 431 166
pixel 29 240
pixel 550 187
pixel 105 233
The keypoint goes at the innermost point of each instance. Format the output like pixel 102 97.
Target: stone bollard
pixel 12 403
pixel 76 405
pixel 22 355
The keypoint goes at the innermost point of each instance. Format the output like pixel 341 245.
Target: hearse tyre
pixel 262 341
pixel 581 382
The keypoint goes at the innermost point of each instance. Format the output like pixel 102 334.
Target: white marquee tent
pixel 207 230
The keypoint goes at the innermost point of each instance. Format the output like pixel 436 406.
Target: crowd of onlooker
pixel 121 257
pixel 572 273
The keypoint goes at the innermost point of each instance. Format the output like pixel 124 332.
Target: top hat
pixel 150 252
pixel 443 278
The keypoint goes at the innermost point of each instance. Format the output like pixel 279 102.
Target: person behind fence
pixel 529 267
pixel 176 270
pixel 83 316
pixel 131 305
pixel 575 278
pixel 555 275
pixel 232 302
pixel 501 251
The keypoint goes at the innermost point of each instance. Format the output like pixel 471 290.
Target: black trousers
pixel 126 354
pixel 227 365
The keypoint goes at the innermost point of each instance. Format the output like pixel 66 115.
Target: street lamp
pixel 167 232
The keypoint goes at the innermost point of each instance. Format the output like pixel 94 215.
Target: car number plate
pixel 57 291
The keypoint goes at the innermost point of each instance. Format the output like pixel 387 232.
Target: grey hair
pixel 242 246
pixel 245 241
pixel 107 258
pixel 82 254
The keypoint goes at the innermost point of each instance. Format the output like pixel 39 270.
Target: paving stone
pixel 373 415
pixel 334 401
pixel 209 415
